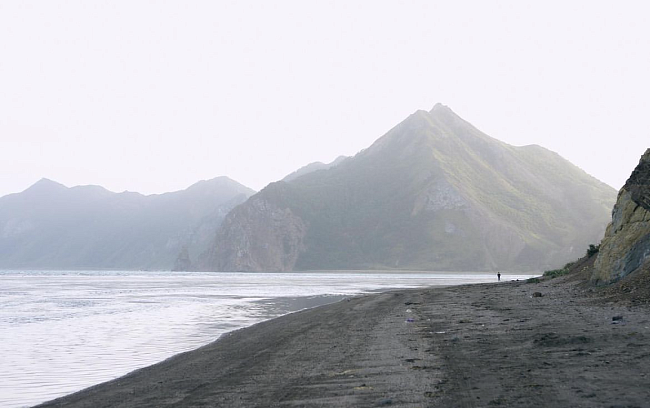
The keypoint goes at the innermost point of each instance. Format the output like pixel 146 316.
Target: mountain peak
pixel 445 114
pixel 439 108
pixel 46 185
pixel 219 184
pixel 47 181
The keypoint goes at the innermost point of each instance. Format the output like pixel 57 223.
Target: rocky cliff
pixel 434 193
pixel 260 235
pixel 626 245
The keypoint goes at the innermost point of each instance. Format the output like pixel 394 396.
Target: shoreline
pixel 57 362
pixel 469 345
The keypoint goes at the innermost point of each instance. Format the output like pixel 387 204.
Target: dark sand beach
pixel 479 345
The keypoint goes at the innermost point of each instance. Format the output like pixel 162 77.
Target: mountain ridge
pixel 432 184
pixel 51 226
pixel 311 167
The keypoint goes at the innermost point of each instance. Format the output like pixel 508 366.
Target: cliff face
pixel 260 235
pixel 434 193
pixel 626 245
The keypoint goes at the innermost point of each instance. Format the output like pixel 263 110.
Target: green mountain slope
pixel 88 227
pixel 434 193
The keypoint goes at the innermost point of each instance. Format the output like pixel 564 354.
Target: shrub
pixel 556 272
pixel 593 250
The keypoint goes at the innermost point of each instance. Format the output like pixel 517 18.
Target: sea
pixel 63 331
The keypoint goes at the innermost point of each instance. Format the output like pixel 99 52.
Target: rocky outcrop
pixel 183 262
pixel 626 245
pixel 258 236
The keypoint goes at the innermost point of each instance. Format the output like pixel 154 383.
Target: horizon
pixel 152 98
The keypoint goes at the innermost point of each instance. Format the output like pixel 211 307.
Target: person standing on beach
pixel 499 276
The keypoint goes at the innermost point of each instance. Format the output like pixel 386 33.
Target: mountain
pixel 434 193
pixel 88 227
pixel 626 245
pixel 312 167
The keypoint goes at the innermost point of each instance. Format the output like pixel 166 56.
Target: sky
pixel 153 96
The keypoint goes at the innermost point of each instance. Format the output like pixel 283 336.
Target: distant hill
pixel 434 193
pixel 88 227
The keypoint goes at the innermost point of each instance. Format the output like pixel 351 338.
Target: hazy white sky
pixel 152 96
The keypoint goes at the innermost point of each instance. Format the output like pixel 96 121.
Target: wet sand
pixel 479 345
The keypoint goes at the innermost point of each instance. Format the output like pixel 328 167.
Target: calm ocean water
pixel 63 331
